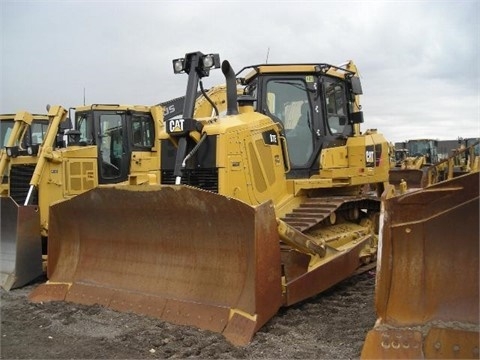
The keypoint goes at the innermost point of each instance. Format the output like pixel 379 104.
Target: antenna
pixel 268 52
pixel 84 96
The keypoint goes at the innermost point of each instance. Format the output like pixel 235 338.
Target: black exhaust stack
pixel 232 108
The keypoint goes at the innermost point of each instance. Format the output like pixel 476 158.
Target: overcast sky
pixel 419 61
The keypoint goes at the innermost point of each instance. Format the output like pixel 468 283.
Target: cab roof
pixel 113 107
pixel 321 68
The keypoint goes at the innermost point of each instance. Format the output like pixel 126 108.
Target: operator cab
pixel 312 107
pixel 34 136
pixel 424 147
pixel 117 131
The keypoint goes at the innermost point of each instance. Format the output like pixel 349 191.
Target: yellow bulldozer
pixel 258 208
pixel 20 133
pixel 103 149
pixel 108 144
pixel 412 160
pixel 427 285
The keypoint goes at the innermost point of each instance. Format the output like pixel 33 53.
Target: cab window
pixel 38 132
pixel 287 100
pixel 111 146
pixel 5 131
pixel 336 106
pixel 142 132
pixel 84 124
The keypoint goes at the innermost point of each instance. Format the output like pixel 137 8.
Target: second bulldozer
pixel 259 208
pixel 412 161
pixel 111 144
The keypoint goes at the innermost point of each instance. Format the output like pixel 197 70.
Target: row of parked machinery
pixel 257 194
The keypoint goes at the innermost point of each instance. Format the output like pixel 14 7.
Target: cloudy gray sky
pixel 419 61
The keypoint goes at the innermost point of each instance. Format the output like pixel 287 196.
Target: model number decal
pixel 168 109
pixel 270 137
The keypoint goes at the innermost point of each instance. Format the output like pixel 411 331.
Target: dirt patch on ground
pixel 332 325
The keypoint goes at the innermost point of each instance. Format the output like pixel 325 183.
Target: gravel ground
pixel 331 325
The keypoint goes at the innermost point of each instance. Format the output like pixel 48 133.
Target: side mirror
pixel 356 85
pixel 356 117
pixel 65 125
pixel 73 137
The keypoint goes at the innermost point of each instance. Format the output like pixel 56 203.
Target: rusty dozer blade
pixel 20 244
pixel 427 286
pixel 415 178
pixel 177 253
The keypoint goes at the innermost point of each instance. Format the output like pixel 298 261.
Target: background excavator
pixel 262 207
pixel 106 144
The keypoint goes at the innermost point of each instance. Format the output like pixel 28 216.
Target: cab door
pixel 114 157
pixel 291 100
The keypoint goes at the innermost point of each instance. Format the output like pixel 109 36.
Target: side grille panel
pixel 206 179
pixel 20 176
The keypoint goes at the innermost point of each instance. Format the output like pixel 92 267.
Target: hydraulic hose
pixel 204 93
pixel 178 179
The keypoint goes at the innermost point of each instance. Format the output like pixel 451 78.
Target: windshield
pixel 6 127
pixel 38 130
pixel 418 148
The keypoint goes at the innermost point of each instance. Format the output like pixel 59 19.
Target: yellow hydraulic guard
pixel 427 290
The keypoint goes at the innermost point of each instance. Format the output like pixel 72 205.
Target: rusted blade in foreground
pixel 427 291
pixel 21 245
pixel 177 253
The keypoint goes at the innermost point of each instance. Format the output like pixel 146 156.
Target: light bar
pixel 202 63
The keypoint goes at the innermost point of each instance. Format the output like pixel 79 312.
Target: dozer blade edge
pixel 20 244
pixel 184 255
pixel 427 286
pixel 415 178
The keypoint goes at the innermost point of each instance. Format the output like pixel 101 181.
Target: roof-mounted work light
pixel 201 63
pixel 207 62
pixel 211 61
pixel 178 65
